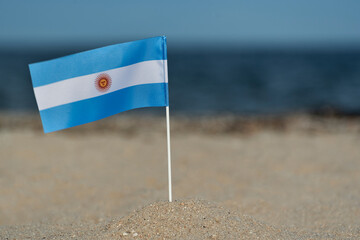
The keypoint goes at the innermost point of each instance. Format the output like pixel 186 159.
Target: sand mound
pixel 191 220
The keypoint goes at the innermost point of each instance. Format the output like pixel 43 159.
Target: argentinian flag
pixel 95 84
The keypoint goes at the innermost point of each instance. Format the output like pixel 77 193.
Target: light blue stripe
pixel 98 60
pixel 85 111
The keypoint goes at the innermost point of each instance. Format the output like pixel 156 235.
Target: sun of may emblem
pixel 103 82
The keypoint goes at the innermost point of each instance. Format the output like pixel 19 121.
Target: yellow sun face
pixel 103 82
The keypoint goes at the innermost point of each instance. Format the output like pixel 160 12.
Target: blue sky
pixel 186 22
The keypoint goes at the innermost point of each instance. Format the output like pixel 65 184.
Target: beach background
pixel 265 124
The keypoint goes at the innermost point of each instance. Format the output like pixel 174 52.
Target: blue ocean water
pixel 217 82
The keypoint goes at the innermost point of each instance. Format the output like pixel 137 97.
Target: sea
pixel 215 82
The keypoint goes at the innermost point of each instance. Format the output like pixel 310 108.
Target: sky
pixel 187 22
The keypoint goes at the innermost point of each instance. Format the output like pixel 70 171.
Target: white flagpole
pixel 169 153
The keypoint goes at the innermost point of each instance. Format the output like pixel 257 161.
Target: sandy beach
pixel 292 177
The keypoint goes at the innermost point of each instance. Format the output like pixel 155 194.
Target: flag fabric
pixel 95 84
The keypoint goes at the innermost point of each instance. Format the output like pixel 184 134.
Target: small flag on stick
pixel 96 84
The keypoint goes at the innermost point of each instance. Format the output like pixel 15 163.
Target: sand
pixel 293 178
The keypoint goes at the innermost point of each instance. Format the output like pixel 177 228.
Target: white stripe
pixel 83 87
